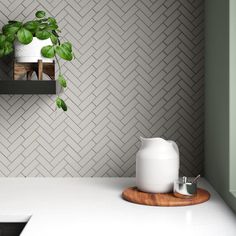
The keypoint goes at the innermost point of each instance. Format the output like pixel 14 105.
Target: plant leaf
pixel 10 38
pixel 48 51
pixel 43 26
pixel 2 52
pixel 67 45
pixel 52 27
pixel 63 105
pixel 52 20
pixel 24 36
pixel 8 48
pixel 64 52
pixel 62 81
pixel 43 34
pixel 45 19
pixel 54 39
pixel 58 102
pixel 11 28
pixel 55 33
pixel 2 40
pixel 12 21
pixel 40 14
pixel 31 25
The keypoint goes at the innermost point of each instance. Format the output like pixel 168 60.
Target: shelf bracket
pixel 27 69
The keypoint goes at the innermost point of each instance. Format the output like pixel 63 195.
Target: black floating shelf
pixel 28 87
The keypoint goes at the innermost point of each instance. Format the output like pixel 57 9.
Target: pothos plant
pixel 43 28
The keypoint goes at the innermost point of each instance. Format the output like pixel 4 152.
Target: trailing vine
pixel 43 28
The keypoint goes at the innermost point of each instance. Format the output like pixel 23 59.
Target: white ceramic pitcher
pixel 31 52
pixel 157 165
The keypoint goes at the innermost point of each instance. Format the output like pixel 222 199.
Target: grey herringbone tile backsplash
pixel 138 72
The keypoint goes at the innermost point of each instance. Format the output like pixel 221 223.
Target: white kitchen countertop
pixel 93 206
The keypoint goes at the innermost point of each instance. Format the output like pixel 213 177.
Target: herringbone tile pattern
pixel 138 72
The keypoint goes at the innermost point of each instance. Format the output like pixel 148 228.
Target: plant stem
pixel 59 66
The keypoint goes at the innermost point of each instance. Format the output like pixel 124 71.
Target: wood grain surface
pixel 22 69
pixel 132 194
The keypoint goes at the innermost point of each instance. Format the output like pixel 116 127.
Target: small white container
pixel 157 165
pixel 31 52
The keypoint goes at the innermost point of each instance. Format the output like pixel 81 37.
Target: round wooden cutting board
pixel 132 194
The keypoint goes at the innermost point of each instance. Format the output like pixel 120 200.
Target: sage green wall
pixel 232 87
pixel 217 75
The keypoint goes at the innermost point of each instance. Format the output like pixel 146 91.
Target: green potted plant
pixel 34 40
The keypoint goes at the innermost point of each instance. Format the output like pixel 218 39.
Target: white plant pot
pixel 157 165
pixel 32 51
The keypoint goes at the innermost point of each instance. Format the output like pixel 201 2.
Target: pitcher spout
pixel 152 141
pixel 175 146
